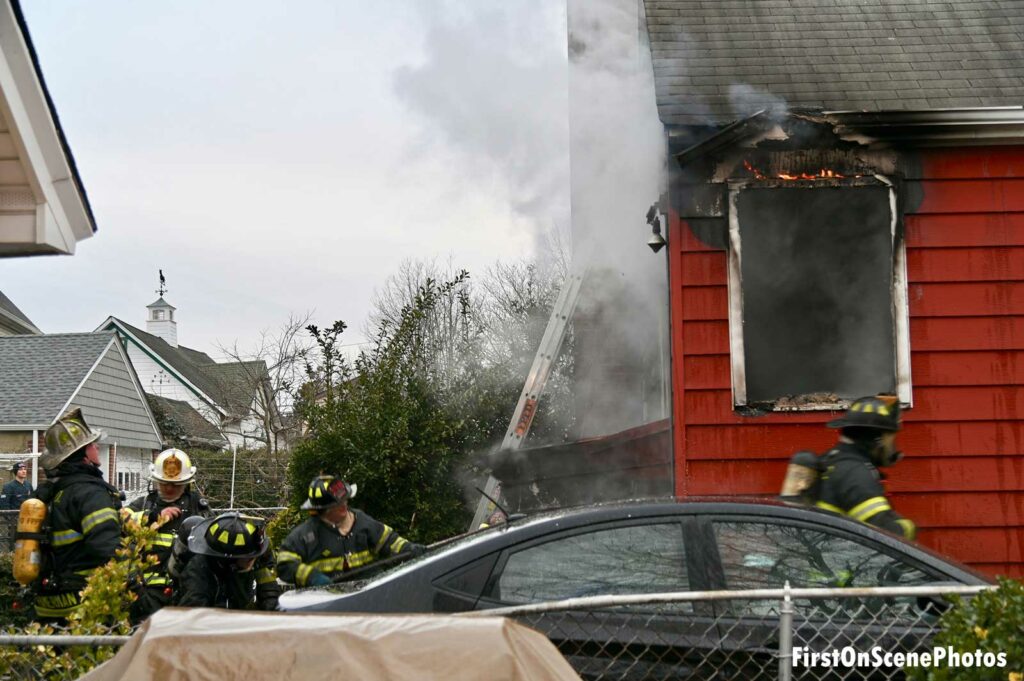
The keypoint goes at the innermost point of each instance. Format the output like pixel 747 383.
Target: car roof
pixel 732 505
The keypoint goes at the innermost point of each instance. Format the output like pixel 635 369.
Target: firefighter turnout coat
pixel 851 485
pixel 146 510
pixel 210 582
pixel 316 548
pixel 85 530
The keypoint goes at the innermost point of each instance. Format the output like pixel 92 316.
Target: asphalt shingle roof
pixel 719 60
pixel 39 374
pixel 191 425
pixel 6 305
pixel 232 385
pixel 235 383
pixel 185 361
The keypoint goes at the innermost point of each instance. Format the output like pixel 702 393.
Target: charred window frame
pixel 817 293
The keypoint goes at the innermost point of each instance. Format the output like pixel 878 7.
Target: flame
pixel 823 174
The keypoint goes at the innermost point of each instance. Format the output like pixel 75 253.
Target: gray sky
pixel 283 157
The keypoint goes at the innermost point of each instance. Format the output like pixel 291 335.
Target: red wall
pixel 963 479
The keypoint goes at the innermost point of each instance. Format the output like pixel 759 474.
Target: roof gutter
pixel 931 127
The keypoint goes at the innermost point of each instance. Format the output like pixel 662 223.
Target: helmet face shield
pixel 327 491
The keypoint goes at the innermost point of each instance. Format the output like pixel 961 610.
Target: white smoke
pixel 618 168
pixel 492 85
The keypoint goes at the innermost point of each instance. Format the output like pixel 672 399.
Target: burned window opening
pixel 817 292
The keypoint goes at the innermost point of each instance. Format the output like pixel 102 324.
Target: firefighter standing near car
pixel 230 566
pixel 851 483
pixel 172 502
pixel 335 539
pixel 82 515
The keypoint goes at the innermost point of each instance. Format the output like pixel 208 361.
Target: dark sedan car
pixel 666 546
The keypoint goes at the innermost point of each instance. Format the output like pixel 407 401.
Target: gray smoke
pixel 618 154
pixel 492 86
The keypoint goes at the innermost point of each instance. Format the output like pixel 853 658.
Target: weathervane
pixel 163 284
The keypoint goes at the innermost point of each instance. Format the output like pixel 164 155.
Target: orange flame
pixel 823 174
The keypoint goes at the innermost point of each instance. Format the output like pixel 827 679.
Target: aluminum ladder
pixel 540 371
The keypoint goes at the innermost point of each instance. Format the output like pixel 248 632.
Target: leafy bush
pixel 104 611
pixel 283 523
pixel 382 424
pixel 15 601
pixel 992 622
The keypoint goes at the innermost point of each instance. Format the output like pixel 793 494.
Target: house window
pixel 158 314
pixel 817 293
pixel 129 481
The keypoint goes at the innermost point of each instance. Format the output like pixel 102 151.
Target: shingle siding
pixel 111 401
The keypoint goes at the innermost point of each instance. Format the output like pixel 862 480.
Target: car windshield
pixel 388 568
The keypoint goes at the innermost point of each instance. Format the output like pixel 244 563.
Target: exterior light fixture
pixel 654 216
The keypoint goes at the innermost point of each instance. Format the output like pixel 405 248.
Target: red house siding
pixel 963 478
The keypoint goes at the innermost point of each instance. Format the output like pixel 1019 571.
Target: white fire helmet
pixel 173 466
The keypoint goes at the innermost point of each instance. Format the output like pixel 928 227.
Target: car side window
pixel 766 555
pixel 632 559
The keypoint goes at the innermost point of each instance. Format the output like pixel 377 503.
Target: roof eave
pixel 905 128
pixel 67 217
pixel 931 127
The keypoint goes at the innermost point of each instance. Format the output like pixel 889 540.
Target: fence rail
pixel 749 634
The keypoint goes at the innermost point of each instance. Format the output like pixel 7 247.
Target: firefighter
pixel 82 511
pixel 171 502
pixel 17 490
pixel 336 538
pixel 851 483
pixel 230 566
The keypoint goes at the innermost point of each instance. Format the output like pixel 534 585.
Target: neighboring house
pixel 43 206
pixel 43 376
pixel 13 321
pixel 232 397
pixel 861 234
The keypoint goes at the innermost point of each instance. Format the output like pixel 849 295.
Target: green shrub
pixel 283 523
pixel 992 622
pixel 106 599
pixel 15 600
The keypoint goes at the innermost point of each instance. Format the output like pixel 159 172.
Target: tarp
pixel 219 645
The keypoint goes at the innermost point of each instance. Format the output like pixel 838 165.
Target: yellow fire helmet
pixel 173 466
pixel 65 437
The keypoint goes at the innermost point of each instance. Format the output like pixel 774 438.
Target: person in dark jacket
pixel 83 512
pixel 335 539
pixel 231 566
pixel 851 483
pixel 17 490
pixel 171 503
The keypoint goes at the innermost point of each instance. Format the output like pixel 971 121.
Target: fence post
pixel 786 636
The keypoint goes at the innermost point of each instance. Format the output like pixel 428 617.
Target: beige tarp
pixel 219 645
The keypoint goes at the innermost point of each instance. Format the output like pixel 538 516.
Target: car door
pixel 637 556
pixel 765 553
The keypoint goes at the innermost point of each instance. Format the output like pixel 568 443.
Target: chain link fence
pixel 765 634
pixel 50 654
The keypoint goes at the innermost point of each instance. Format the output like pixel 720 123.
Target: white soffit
pixel 42 210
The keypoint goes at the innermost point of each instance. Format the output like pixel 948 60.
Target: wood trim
pixel 676 314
